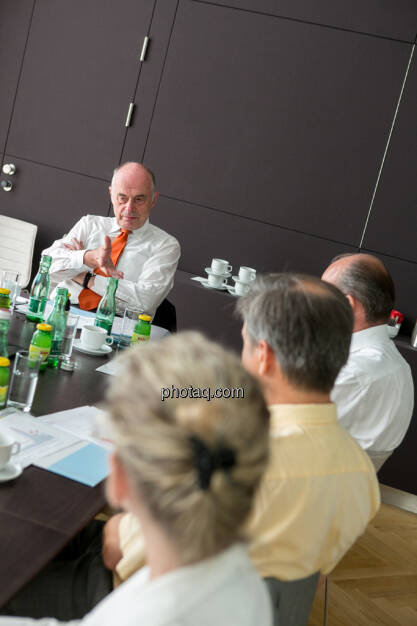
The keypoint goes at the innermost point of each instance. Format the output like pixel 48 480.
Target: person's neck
pixel 283 393
pixel 161 554
pixel 364 325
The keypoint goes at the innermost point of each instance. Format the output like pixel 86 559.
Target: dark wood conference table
pixel 40 511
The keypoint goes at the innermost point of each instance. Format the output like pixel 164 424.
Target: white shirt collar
pixel 115 228
pixel 369 336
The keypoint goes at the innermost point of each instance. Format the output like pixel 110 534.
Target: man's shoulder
pixel 372 363
pixel 161 237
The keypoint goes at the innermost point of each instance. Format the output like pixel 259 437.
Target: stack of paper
pixel 62 442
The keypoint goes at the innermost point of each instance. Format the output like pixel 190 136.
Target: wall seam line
pixel 387 146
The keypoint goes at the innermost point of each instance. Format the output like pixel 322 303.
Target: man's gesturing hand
pixel 100 257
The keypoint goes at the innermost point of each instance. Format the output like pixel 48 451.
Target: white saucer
pixel 10 471
pixel 105 349
pixel 231 289
pixel 239 280
pixel 205 283
pixel 210 271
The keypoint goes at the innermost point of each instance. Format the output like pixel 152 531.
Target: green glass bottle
pixel 67 305
pixel 142 330
pixel 58 320
pixel 4 298
pixel 106 309
pixel 40 346
pixel 4 328
pixel 39 291
pixel 4 380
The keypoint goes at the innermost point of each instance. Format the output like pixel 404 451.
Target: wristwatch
pixel 87 277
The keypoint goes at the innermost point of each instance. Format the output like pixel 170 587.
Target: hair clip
pixel 207 461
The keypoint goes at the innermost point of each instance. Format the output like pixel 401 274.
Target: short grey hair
pixel 306 322
pixel 149 171
pixel 152 439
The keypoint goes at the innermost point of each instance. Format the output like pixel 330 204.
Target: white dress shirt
pixel 148 261
pixel 374 392
pixel 222 591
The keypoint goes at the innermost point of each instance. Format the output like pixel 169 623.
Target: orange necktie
pixel 88 299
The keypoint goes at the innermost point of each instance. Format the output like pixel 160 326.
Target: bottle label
pixel 136 338
pixel 56 347
pixel 3 395
pixel 35 351
pixel 37 305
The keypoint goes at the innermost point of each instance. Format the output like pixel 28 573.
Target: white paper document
pixel 36 439
pixel 83 422
pixel 108 368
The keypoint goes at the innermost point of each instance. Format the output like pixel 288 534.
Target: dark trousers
pixel 71 585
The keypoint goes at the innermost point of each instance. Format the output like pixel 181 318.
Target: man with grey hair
pixel 374 392
pixel 142 256
pixel 320 489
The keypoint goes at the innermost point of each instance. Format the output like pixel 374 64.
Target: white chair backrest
pixel 17 240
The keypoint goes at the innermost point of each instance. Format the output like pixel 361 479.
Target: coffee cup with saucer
pixel 246 275
pixel 8 447
pixel 220 266
pixel 93 340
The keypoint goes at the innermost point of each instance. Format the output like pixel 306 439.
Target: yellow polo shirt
pixel 317 496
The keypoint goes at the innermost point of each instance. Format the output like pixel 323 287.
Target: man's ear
pixel 351 301
pixel 117 485
pixel 110 191
pixel 155 199
pixel 265 358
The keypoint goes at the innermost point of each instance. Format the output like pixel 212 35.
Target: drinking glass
pixel 24 380
pixel 9 279
pixel 130 319
pixel 69 336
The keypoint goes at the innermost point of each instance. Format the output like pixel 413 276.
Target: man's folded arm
pixel 67 263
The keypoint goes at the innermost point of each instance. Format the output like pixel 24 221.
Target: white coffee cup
pixel 241 288
pixel 8 446
pixel 247 274
pixel 220 266
pixel 94 337
pixel 217 281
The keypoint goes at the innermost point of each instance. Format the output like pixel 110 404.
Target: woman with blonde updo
pixel 187 468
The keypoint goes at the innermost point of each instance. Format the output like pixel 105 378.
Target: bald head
pixel 133 194
pixel 366 279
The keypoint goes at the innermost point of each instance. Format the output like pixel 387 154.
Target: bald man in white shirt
pixel 374 392
pixel 147 264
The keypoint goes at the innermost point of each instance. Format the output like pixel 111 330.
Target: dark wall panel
pixel 377 17
pixel 206 233
pixel 53 199
pixel 392 225
pixel 150 76
pixel 78 78
pixel 14 25
pixel 274 119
